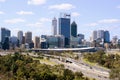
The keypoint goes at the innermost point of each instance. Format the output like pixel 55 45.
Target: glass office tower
pixel 64 28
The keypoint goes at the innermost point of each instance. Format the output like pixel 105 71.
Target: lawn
pixel 46 61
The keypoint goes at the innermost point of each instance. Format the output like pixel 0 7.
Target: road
pixel 88 70
pixel 5 53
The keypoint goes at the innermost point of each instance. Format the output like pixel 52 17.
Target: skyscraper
pixel 94 35
pixel 4 33
pixel 118 42
pixel 81 36
pixel 114 40
pixel 36 42
pixel 20 37
pixel 100 34
pixel 28 37
pixel 64 28
pixel 54 26
pixel 74 29
pixel 106 36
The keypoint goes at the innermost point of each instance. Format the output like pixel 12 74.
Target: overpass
pixel 85 49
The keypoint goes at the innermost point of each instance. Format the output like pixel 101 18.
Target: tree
pixel 68 74
pixel 115 74
pixel 78 75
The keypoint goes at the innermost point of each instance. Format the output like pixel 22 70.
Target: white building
pixel 100 34
pixel 36 42
pixel 28 37
pixel 20 36
pixel 94 35
pixel 54 26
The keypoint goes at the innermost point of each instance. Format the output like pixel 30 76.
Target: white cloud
pixel 14 21
pixel 92 24
pixel 64 6
pixel 44 20
pixel 36 2
pixel 15 29
pixel 75 14
pixel 104 21
pixel 109 21
pixel 2 0
pixel 37 24
pixel 118 6
pixel 1 12
pixel 24 13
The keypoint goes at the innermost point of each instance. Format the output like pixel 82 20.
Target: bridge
pixel 86 49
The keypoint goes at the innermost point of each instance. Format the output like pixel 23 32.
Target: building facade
pixel 114 40
pixel 81 36
pixel 100 34
pixel 52 42
pixel 20 36
pixel 13 42
pixel 61 41
pixel 94 35
pixel 64 28
pixel 74 42
pixel 28 37
pixel 37 42
pixel 106 37
pixel 54 26
pixel 74 29
pixel 4 33
pixel 118 41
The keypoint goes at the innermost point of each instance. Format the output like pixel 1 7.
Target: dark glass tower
pixel 106 36
pixel 64 28
pixel 74 29
pixel 4 33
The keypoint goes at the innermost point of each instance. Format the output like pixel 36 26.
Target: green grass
pixel 45 61
pixel 93 64
pixel 88 62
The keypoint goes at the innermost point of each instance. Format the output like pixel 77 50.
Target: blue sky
pixel 36 15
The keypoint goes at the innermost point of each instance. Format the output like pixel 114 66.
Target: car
pixel 99 76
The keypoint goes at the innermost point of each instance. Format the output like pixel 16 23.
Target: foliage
pixel 110 61
pixel 23 67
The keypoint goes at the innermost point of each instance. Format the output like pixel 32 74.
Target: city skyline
pixel 37 15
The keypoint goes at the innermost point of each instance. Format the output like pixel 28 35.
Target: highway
pixel 88 70
pixel 76 66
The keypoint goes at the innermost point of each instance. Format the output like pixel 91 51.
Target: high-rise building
pixel 36 42
pixel 13 42
pixel 23 40
pixel 20 37
pixel 100 34
pixel 118 42
pixel 4 33
pixel 54 26
pixel 74 29
pixel 94 35
pixel 61 41
pixel 64 28
pixel 28 37
pixel 81 36
pixel 52 41
pixel 74 42
pixel 114 40
pixel 106 36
